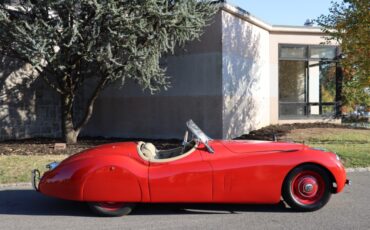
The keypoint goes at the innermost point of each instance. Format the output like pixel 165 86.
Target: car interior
pixel 149 152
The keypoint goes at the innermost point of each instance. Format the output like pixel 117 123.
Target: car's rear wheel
pixel 307 188
pixel 111 208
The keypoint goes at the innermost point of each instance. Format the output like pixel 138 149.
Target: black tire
pixel 301 192
pixel 111 209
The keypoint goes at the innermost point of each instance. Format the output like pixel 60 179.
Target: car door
pixel 243 178
pixel 188 179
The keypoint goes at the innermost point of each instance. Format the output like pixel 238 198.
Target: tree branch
pixel 90 104
pixel 52 85
pixel 12 54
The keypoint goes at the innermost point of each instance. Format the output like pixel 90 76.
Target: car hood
pixel 249 146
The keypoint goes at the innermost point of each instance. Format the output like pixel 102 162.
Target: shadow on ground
pixel 29 202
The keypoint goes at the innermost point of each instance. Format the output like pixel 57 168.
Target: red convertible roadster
pixel 112 178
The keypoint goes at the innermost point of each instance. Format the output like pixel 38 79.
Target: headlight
pixel 52 165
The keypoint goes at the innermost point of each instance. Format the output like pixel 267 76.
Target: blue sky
pixel 284 12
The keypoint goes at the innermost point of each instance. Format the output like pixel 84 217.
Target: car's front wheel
pixel 111 208
pixel 307 188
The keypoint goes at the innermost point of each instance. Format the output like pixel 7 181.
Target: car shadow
pixel 30 202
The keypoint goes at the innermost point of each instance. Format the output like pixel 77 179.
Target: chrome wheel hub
pixel 308 187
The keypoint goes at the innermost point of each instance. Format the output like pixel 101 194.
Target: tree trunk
pixel 70 136
pixel 69 133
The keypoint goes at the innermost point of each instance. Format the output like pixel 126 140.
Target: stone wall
pixel 28 108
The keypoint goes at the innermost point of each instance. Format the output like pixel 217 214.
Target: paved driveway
pixel 22 208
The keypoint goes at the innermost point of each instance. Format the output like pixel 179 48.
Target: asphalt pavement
pixel 23 208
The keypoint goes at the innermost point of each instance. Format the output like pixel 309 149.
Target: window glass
pixel 292 81
pixel 292 75
pixel 307 83
pixel 293 110
pixel 293 52
pixel 327 82
pixel 323 52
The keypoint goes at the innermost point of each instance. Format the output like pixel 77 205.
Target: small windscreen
pixel 201 136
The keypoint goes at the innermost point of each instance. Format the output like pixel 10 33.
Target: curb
pixel 15 185
pixel 358 169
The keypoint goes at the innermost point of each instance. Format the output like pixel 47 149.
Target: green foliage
pixel 348 24
pixel 69 41
pixel 355 93
pixel 122 39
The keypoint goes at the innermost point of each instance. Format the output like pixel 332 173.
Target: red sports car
pixel 112 178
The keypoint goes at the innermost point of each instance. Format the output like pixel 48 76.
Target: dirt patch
pixel 280 131
pixel 46 146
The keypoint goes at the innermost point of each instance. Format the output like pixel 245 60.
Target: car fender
pixel 111 183
pixel 327 161
pixel 108 178
pixel 114 179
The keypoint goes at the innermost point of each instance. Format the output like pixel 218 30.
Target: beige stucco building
pixel 242 75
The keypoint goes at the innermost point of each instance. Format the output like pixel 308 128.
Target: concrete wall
pixel 195 94
pixel 245 71
pixel 277 38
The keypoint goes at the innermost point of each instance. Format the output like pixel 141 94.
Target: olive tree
pixel 68 42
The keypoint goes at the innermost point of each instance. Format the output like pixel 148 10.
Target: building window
pixel 307 81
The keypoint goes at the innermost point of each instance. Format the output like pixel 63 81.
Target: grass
pixel 352 145
pixel 17 168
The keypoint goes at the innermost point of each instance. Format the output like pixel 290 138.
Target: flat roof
pixel 245 15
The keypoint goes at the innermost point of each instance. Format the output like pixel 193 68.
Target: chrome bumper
pixel 35 179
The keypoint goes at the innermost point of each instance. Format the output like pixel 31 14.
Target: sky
pixel 284 12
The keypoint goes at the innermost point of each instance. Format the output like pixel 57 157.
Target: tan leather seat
pixel 149 150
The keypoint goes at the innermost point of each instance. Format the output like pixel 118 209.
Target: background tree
pixel 71 41
pixel 349 24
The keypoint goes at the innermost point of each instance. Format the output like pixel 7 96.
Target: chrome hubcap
pixel 308 187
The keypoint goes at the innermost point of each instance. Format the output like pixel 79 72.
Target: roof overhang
pixel 244 15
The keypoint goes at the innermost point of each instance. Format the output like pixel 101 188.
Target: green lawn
pixel 352 145
pixel 17 168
